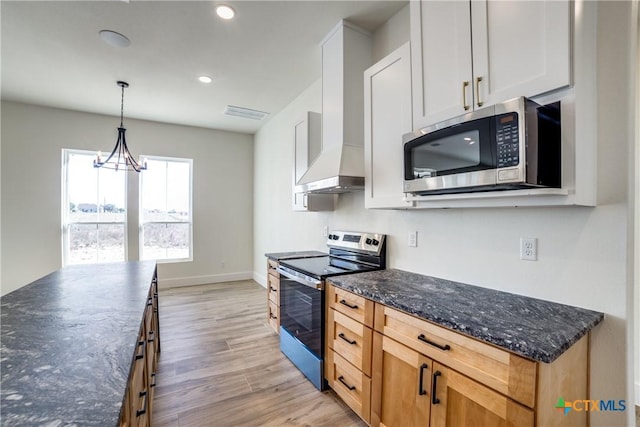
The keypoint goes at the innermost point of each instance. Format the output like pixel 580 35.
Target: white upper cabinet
pixel 387 116
pixel 306 147
pixel 467 55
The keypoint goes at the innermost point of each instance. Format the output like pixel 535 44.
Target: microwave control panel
pixel 507 140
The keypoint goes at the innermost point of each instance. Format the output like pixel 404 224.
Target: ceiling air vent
pixel 247 113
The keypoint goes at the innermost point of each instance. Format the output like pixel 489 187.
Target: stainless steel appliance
pixel 302 296
pixel 507 146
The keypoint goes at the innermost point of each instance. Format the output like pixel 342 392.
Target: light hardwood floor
pixel 221 365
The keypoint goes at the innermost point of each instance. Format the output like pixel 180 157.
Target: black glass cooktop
pixel 327 266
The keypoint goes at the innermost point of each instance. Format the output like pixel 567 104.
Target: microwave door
pixel 456 157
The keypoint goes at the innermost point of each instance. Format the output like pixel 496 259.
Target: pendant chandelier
pixel 120 158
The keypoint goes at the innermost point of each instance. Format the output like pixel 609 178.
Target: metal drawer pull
pixel 341 335
pixel 273 289
pixel 464 95
pixel 144 404
pixel 153 375
pixel 272 316
pixel 445 347
pixel 434 385
pixel 350 387
pixel 343 302
pixel 478 80
pixel 141 354
pixel 422 391
pixel 151 335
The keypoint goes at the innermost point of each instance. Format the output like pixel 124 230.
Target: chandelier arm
pixel 128 158
pixel 116 148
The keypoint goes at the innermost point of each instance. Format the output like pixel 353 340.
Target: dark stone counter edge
pixel 537 355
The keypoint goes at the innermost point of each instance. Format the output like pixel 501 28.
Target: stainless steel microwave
pixel 512 145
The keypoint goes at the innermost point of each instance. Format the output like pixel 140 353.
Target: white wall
pixel 582 251
pixel 32 139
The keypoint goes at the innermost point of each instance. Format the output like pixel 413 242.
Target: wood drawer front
pixel 274 289
pixel 354 306
pixel 353 387
pixel 499 369
pixel 273 313
pixel 272 267
pixel 351 340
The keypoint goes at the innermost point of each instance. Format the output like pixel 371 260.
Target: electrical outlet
pixel 529 248
pixel 413 239
pixel 325 231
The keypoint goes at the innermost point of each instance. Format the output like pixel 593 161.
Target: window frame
pixel 142 222
pixel 66 223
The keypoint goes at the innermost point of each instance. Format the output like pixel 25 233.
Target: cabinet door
pixel 520 48
pixel 441 60
pixel 307 144
pixel 460 401
pixel 387 104
pixel 401 385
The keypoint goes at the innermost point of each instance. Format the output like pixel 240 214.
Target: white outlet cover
pixel 529 248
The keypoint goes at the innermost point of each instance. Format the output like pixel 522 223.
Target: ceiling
pixel 262 59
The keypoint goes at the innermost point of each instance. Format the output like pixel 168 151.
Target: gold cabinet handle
pixel 464 95
pixel 478 80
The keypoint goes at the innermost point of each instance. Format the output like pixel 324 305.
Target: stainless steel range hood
pixel 339 168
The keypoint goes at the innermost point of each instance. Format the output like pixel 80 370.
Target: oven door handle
pixel 303 280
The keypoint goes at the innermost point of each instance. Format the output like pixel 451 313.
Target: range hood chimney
pixel 339 168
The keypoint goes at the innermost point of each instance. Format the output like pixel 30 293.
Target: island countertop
pixel 537 329
pixel 67 344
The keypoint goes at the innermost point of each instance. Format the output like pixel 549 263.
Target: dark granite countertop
pixel 277 256
pixel 534 328
pixel 67 344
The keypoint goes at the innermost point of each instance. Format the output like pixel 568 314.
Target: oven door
pixel 301 310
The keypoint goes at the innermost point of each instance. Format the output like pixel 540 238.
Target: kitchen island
pixel 69 344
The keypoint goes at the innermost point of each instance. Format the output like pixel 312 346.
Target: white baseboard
pixel 260 278
pixel 203 280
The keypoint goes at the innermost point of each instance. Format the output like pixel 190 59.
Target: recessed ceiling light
pixel 225 12
pixel 205 79
pixel 246 113
pixel 114 39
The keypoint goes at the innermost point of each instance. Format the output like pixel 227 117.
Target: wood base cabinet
pixel 138 403
pixel 417 373
pixel 273 295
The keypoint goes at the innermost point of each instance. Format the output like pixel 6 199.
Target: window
pixel 94 218
pixel 165 209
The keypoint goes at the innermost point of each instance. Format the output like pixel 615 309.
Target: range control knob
pixel 368 241
pixel 375 242
pixel 333 236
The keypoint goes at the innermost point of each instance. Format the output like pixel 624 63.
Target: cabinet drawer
pixel 354 306
pixel 272 267
pixel 498 369
pixel 351 340
pixel 273 314
pixel 350 384
pixel 274 289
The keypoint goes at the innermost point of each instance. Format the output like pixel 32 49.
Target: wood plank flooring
pixel 221 365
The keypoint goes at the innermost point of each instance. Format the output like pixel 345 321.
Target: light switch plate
pixel 413 239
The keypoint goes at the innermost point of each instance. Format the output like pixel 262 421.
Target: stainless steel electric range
pixel 302 295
